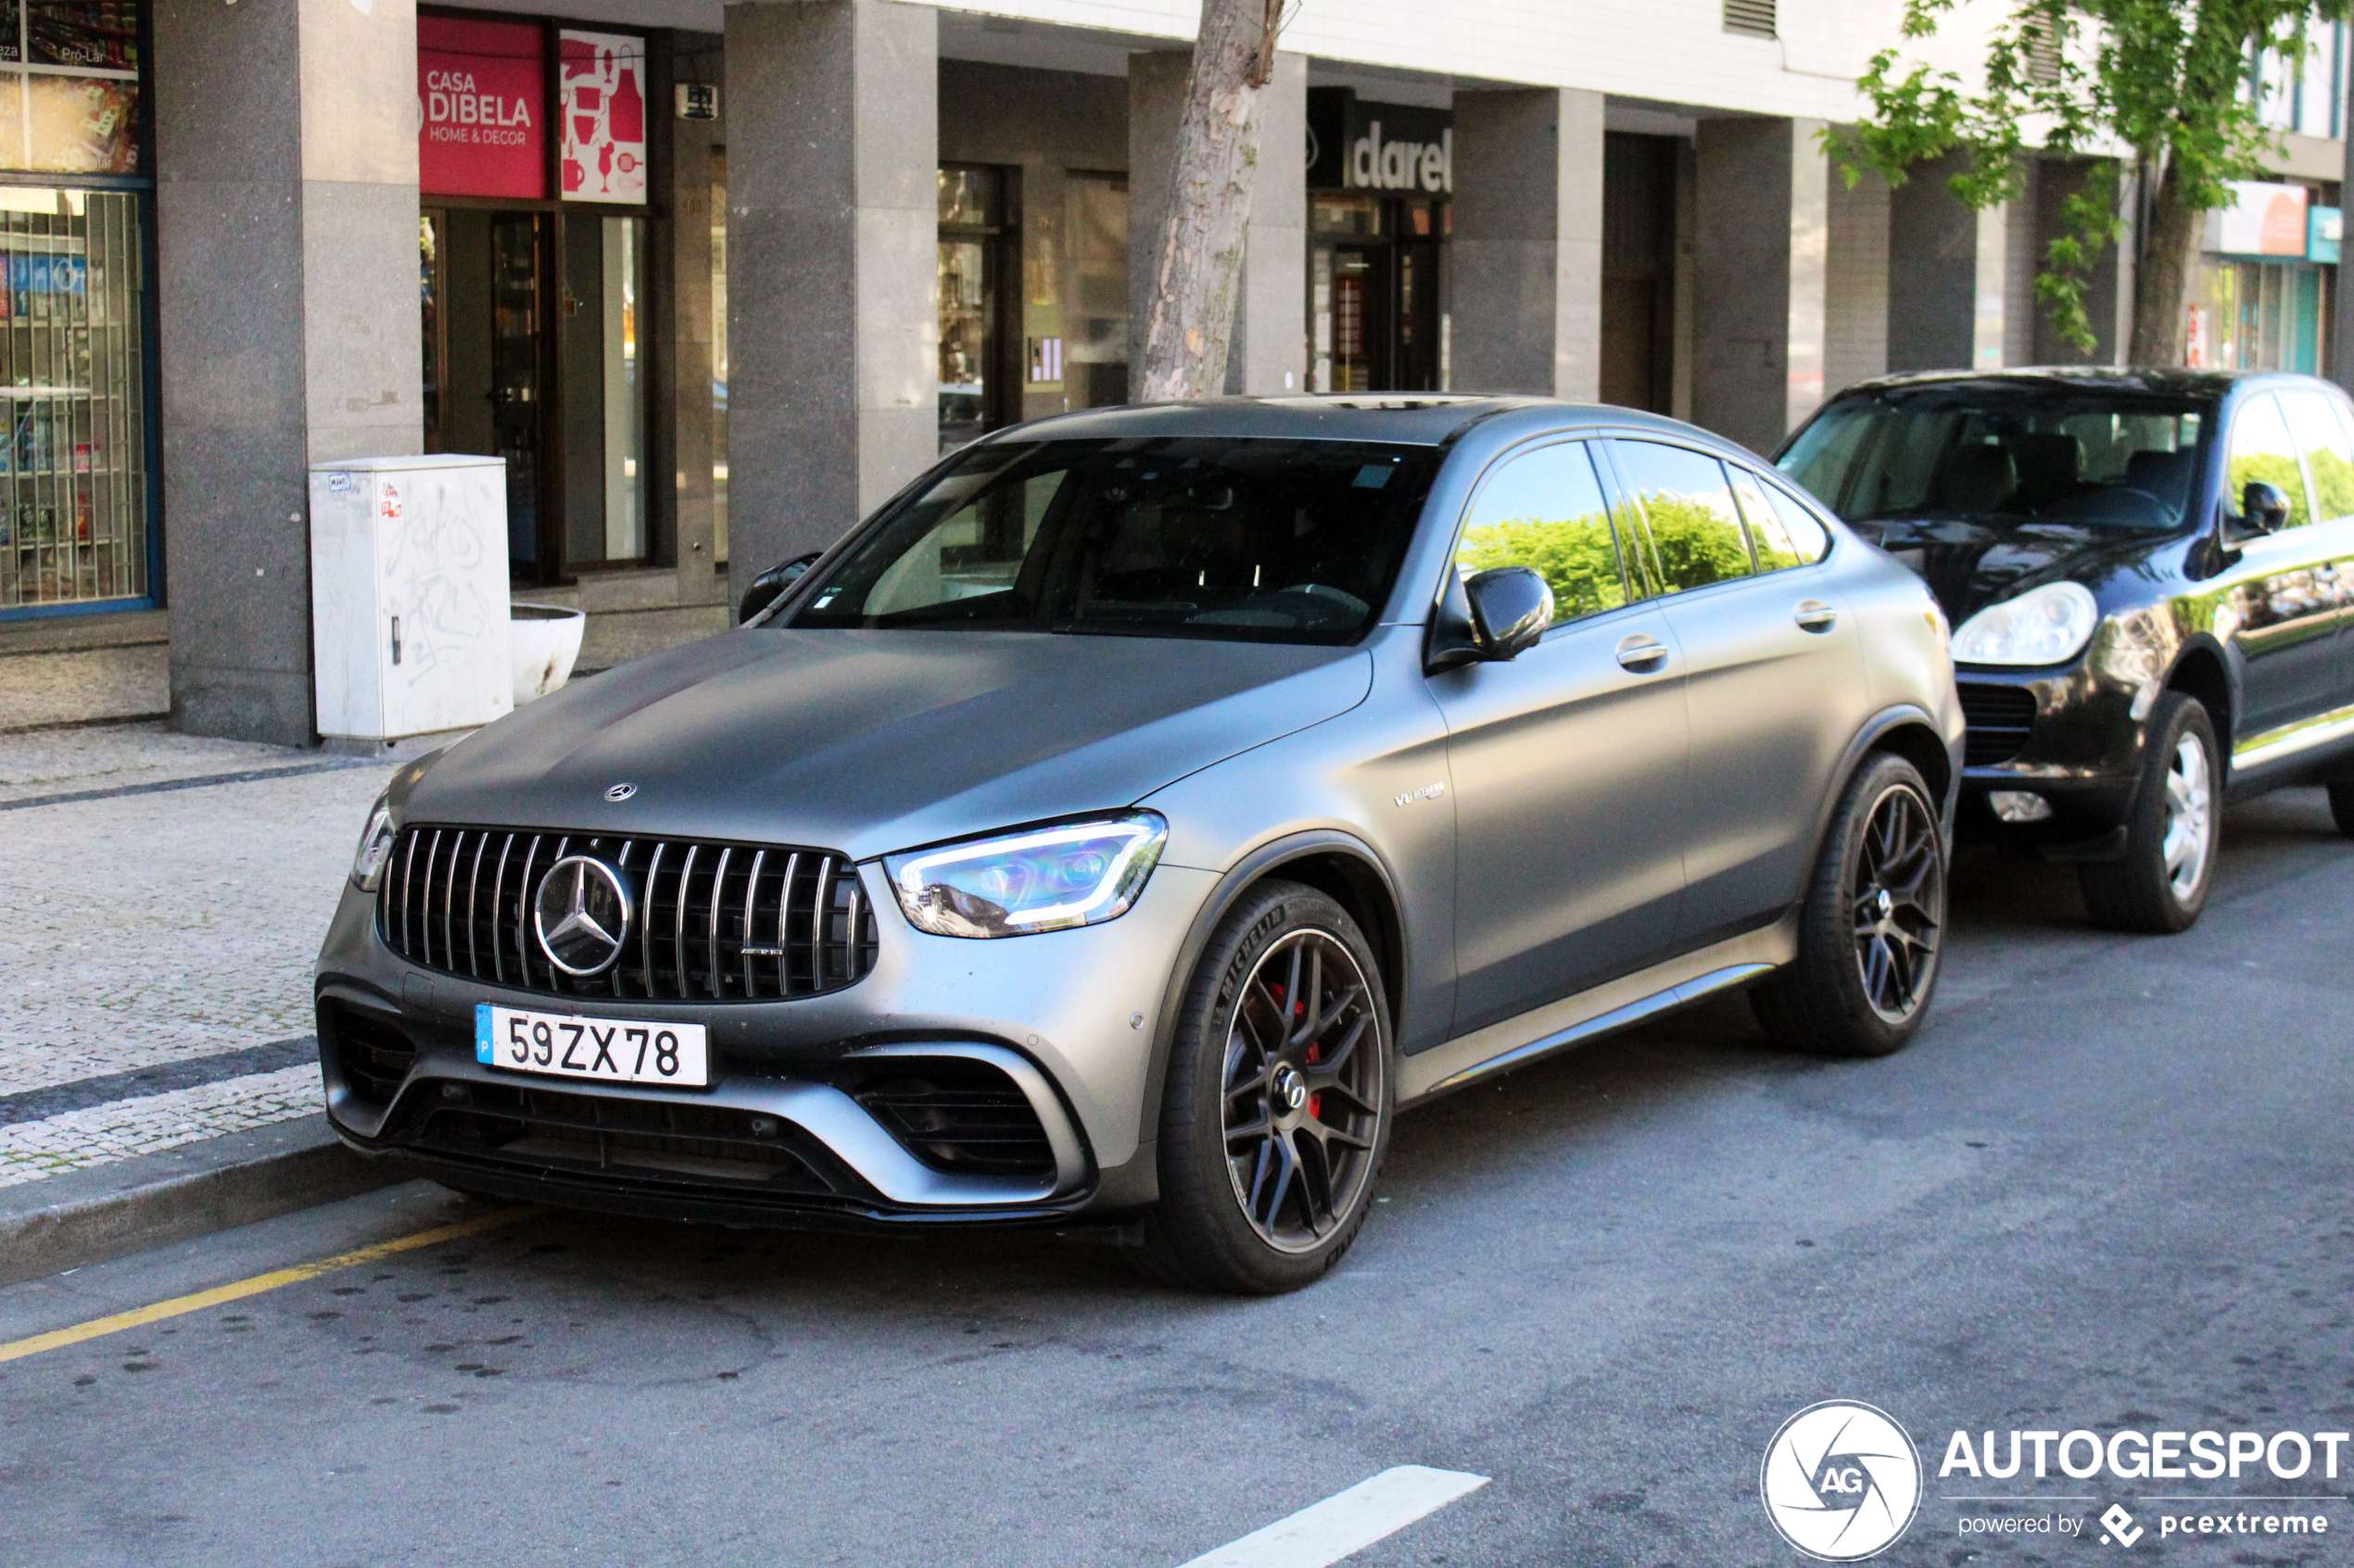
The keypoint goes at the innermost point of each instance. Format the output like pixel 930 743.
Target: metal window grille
pixel 73 458
pixel 1754 18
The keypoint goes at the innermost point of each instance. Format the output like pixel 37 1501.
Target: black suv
pixel 2149 574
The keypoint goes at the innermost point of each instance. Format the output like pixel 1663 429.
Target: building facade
pixel 716 279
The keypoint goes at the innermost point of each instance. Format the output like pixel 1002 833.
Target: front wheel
pixel 2342 808
pixel 1277 1107
pixel 2159 884
pixel 1872 925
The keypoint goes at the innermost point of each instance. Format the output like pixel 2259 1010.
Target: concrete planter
pixel 546 639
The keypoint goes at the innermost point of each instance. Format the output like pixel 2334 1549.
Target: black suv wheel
pixel 1277 1108
pixel 2159 884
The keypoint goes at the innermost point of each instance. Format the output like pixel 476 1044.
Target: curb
pixel 61 1222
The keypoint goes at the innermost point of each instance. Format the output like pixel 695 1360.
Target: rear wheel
pixel 1873 922
pixel 2159 884
pixel 2342 808
pixel 1277 1108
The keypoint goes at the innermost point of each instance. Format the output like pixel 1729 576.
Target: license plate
pixel 612 1050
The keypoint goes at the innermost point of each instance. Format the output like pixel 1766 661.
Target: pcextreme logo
pixel 1841 1481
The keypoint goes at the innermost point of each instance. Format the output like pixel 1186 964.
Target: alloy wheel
pixel 2190 805
pixel 1899 903
pixel 1302 1090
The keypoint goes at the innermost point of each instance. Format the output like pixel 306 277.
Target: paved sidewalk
pixel 160 906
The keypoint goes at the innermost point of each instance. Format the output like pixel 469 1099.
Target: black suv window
pixel 2261 451
pixel 1544 510
pixel 1695 534
pixel 1990 451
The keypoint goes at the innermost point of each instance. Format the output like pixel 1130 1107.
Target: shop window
pixel 1095 346
pixel 1377 294
pixel 75 503
pixel 979 260
pixel 604 389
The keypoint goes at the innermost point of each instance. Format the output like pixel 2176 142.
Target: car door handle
pixel 1641 653
pixel 1814 615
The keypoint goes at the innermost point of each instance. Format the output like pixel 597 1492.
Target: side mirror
pixel 770 585
pixel 2263 508
pixel 1511 607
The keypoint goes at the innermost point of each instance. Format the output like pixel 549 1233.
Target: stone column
pixel 1947 297
pixel 1527 252
pixel 286 221
pixel 2108 292
pixel 680 290
pixel 1267 353
pixel 1761 248
pixel 833 134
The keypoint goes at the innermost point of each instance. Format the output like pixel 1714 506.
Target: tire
pixel 1872 925
pixel 2160 884
pixel 2342 808
pixel 1261 1191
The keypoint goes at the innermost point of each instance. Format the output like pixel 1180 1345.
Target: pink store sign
pixel 603 79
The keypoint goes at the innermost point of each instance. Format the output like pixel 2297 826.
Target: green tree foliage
pixel 2164 80
pixel 2271 468
pixel 1695 543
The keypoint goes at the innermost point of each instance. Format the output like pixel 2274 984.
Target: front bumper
pixel 972 1082
pixel 2073 734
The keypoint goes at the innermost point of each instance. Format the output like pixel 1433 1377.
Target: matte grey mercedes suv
pixel 1128 819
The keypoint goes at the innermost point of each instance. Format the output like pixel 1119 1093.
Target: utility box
pixel 409 595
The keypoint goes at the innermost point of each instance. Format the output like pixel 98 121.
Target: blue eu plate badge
pixel 482 1031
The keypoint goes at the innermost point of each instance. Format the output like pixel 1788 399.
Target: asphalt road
pixel 2109 1185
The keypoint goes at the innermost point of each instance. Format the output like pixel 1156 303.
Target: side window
pixel 1544 510
pixel 1783 533
pixel 2318 420
pixel 2261 450
pixel 1695 534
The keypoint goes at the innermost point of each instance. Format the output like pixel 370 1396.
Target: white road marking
pixel 1348 1522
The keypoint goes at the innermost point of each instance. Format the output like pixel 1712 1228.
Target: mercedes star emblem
pixel 620 793
pixel 581 915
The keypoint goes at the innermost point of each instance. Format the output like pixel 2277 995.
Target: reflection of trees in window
pixel 1576 556
pixel 1695 542
pixel 2333 481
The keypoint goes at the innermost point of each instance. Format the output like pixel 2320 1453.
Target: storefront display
pixel 534 342
pixel 1379 178
pixel 74 459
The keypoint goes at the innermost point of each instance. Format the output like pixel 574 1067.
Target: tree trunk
pixel 2161 282
pixel 1191 320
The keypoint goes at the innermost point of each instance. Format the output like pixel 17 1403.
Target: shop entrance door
pixel 544 369
pixel 486 354
pixel 1360 319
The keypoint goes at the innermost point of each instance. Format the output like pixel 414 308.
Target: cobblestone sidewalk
pixel 160 906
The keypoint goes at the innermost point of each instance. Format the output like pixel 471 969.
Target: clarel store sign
pixel 484 128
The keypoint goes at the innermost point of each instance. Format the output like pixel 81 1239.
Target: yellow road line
pixel 179 1305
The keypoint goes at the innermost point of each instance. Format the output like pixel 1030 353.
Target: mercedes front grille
pixel 710 922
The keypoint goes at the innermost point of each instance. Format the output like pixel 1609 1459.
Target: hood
pixel 870 741
pixel 1972 565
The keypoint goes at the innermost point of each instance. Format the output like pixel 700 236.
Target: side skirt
pixel 1590 1015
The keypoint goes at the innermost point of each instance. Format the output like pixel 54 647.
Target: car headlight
pixel 1041 879
pixel 375 848
pixel 2040 626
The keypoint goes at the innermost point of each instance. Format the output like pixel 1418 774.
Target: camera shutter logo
pixel 581 915
pixel 1841 1481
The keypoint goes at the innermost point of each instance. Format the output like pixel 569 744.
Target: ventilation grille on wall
pixel 2043 51
pixel 1754 17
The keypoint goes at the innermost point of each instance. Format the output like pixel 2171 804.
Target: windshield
pixel 1257 540
pixel 2094 456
